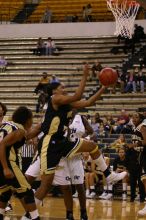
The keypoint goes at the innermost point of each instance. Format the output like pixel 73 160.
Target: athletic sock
pixel 34 215
pixel 100 162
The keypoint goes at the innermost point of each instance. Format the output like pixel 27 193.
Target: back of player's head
pixel 52 87
pixel 21 115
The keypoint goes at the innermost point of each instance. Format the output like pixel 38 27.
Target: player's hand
pixel 8 173
pixel 86 69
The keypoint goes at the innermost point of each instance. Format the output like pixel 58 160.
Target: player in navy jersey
pixel 53 145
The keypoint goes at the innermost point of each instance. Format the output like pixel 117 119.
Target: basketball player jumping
pixel 53 145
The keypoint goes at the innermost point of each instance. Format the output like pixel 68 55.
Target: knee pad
pixel 29 197
pixel 5 197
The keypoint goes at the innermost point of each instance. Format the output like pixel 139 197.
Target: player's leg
pixel 63 179
pixel 5 196
pixel 24 192
pixel 77 177
pixel 92 148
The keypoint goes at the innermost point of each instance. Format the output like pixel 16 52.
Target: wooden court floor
pixel 53 209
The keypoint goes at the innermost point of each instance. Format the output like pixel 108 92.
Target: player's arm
pixel 8 141
pixel 89 129
pixel 66 99
pixel 90 101
pixel 33 132
pixel 143 131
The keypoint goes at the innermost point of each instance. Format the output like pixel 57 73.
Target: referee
pixel 26 154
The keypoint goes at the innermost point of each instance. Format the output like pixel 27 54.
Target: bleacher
pixel 64 8
pixel 24 71
pixel 9 9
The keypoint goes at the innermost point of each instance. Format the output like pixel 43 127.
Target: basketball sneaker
pixel 102 195
pixel 108 196
pixel 8 207
pixel 115 177
pixel 26 216
pixel 92 195
pixel 75 195
pixel 142 212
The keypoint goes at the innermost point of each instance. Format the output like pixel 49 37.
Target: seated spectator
pixel 87 11
pixel 50 46
pixel 40 47
pixel 95 123
pixel 47 16
pixel 119 142
pixel 122 120
pixel 131 82
pixel 96 68
pixel 90 175
pixel 121 79
pixel 102 130
pixel 54 79
pixel 120 164
pixel 109 123
pixel 138 33
pixel 3 64
pixel 140 80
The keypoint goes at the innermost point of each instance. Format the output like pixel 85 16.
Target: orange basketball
pixel 108 76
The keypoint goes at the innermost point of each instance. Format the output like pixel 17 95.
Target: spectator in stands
pixel 87 11
pixel 131 82
pixel 90 175
pixel 41 89
pixel 40 47
pixel 95 125
pixel 3 64
pixel 47 16
pixel 121 79
pixel 109 123
pixel 122 120
pixel 120 164
pixel 54 79
pixel 50 46
pixel 102 132
pixel 96 68
pixel 140 80
pixel 138 33
pixel 119 142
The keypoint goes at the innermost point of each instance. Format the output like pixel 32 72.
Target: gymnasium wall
pixel 60 29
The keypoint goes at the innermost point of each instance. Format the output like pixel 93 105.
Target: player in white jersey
pixel 73 171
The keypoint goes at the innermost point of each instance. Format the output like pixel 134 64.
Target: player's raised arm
pixel 90 101
pixel 61 98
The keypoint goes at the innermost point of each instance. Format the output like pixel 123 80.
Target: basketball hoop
pixel 125 12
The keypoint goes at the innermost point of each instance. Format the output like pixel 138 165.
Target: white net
pixel 125 12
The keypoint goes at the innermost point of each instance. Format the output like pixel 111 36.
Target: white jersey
pixel 77 128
